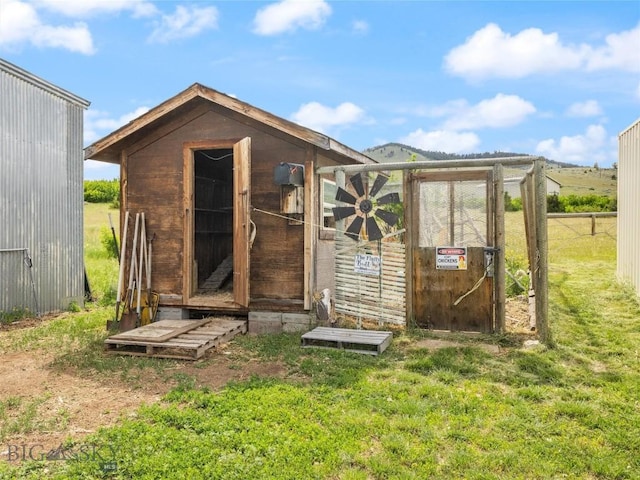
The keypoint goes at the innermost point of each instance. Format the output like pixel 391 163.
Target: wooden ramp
pixel 370 342
pixel 183 339
pixel 220 275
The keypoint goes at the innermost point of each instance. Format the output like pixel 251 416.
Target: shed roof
pixel 108 148
pixel 18 72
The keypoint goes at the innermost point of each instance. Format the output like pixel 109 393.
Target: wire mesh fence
pixel 569 238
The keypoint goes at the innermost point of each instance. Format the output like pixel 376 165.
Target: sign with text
pixel 367 264
pixel 451 258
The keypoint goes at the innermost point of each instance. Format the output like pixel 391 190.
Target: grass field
pixel 585 181
pixel 102 269
pixel 570 411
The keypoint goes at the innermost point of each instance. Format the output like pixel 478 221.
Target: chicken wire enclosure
pixel 452 213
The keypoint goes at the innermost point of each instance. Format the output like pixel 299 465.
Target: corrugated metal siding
pixel 628 202
pixel 41 193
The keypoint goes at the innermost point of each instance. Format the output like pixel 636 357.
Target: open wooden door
pixel 241 220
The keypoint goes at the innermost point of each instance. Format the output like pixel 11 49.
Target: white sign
pixel 367 264
pixel 451 258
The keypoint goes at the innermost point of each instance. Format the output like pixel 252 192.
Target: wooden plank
pixel 499 268
pixel 188 203
pixel 541 272
pixel 220 274
pixel 160 331
pixel 241 220
pixel 310 236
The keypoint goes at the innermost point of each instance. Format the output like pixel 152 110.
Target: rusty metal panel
pixel 41 193
pixel 628 201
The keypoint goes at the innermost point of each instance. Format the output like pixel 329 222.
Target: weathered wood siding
pixel 153 183
pixel 380 298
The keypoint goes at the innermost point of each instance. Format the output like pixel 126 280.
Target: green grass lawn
pixel 570 411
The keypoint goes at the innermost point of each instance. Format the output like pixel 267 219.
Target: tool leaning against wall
pixel 139 304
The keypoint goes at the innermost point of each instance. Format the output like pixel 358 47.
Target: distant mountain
pixel 397 152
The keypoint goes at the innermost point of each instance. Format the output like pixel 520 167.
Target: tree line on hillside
pixel 436 155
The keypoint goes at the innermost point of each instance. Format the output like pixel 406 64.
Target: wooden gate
pixel 451 250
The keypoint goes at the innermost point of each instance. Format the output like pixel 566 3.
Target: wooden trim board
pixel 160 331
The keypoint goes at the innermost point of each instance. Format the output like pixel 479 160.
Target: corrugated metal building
pixel 41 193
pixel 628 203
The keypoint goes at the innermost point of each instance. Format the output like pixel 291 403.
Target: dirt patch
pixel 72 404
pixel 517 315
pixel 26 322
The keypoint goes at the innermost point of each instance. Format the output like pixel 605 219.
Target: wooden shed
pixel 226 188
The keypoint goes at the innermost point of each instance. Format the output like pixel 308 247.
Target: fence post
pixel 542 245
pixel 499 243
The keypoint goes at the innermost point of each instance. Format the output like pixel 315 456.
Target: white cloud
pixel 20 24
pixel 97 124
pixel 490 52
pixel 360 27
pixel 585 149
pixel 319 117
pixel 88 8
pixel 185 22
pixel 622 51
pixel 589 108
pixel 289 15
pixel 442 141
pixel 500 111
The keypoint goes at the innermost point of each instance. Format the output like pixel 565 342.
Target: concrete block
pixel 265 322
pixel 172 313
pixel 297 322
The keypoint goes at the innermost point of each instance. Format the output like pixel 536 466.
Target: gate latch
pixel 489 260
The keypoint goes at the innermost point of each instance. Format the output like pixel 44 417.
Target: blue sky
pixel 552 78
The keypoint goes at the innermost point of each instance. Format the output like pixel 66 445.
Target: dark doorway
pixel 213 221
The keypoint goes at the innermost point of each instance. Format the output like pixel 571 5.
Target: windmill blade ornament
pixel 365 208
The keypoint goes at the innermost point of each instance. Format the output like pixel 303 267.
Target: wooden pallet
pixel 370 342
pixel 182 339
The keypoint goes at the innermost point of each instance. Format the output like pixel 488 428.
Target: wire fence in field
pixel 571 237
